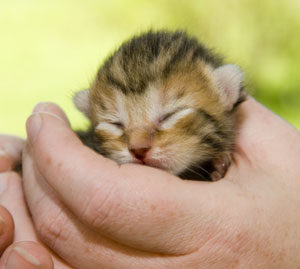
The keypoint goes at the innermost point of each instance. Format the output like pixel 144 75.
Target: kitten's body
pixel 164 100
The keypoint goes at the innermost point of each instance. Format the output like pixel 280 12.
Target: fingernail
pixel 2 223
pixel 40 107
pixel 33 126
pixel 50 109
pixel 20 258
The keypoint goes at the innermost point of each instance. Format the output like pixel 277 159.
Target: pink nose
pixel 139 153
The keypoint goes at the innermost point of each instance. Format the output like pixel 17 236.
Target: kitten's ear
pixel 82 101
pixel 229 79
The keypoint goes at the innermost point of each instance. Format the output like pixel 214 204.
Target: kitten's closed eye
pixel 164 100
pixel 112 128
pixel 118 124
pixel 165 117
pixel 170 119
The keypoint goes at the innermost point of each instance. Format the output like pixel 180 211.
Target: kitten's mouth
pixel 148 160
pixel 154 163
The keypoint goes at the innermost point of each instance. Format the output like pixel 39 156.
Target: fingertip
pixel 6 229
pixel 6 163
pixel 27 255
pixel 10 152
pixel 35 121
pixel 51 108
pixel 33 126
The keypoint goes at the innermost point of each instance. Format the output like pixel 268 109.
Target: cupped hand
pixel 97 214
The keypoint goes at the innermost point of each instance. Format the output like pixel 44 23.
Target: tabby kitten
pixel 164 100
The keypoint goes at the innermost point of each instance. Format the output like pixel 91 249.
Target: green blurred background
pixel 50 49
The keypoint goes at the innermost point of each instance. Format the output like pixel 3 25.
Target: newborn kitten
pixel 164 100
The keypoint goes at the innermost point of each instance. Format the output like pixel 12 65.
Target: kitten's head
pixel 162 100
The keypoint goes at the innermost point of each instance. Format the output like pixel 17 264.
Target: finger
pixel 116 200
pixel 52 109
pixel 264 139
pixel 26 255
pixel 69 237
pixel 6 229
pixel 13 199
pixel 261 129
pixel 10 151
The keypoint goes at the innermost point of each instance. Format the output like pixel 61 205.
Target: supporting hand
pixel 96 214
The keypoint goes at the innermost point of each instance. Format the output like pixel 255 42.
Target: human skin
pixel 10 156
pixel 96 214
pixel 16 227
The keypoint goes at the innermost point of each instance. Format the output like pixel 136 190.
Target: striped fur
pixel 159 91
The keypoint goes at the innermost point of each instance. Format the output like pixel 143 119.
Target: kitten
pixel 164 100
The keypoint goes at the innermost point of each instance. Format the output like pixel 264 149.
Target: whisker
pixel 197 173
pixel 203 169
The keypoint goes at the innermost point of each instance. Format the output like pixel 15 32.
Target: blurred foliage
pixel 49 49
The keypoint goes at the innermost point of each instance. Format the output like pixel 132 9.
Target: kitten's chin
pixel 161 164
pixel 154 163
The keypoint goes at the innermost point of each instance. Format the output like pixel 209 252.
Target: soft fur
pixel 164 100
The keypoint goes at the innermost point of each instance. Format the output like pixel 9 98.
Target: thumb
pixel 45 108
pixel 264 140
pixel 138 206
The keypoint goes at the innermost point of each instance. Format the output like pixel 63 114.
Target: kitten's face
pixel 173 125
pixel 164 100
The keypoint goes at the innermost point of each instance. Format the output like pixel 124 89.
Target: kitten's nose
pixel 139 153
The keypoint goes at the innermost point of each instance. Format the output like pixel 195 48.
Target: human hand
pixel 10 152
pixel 18 240
pixel 10 156
pixel 96 214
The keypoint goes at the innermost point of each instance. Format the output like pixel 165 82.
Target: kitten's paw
pixel 221 165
